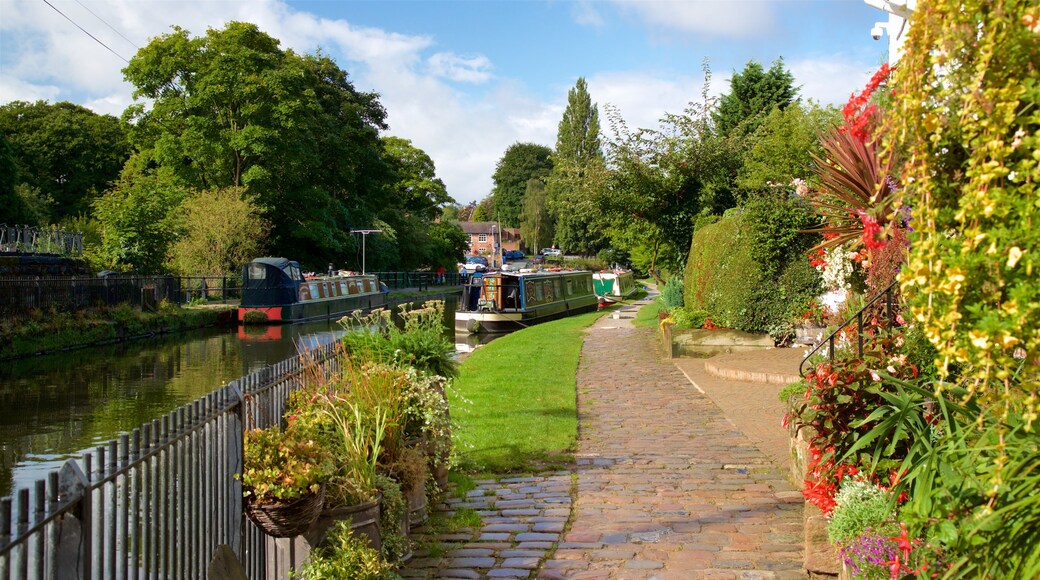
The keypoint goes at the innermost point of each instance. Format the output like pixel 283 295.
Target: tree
pixel 483 211
pixel 418 190
pixel 578 167
pixel 12 207
pixel 753 94
pixel 520 162
pixel 232 109
pixel 448 244
pixel 138 222
pixel 536 222
pixel 220 230
pixel 64 151
pixel 781 149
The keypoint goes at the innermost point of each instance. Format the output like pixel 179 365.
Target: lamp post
pixel 494 249
pixel 364 234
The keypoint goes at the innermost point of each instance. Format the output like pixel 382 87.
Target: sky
pixel 465 79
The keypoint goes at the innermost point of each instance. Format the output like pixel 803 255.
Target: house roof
pixel 485 228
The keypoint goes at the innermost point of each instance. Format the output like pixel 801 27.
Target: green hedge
pixel 743 285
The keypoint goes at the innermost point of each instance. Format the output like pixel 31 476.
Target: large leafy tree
pixel 139 224
pixel 219 231
pixel 520 162
pixel 576 180
pixel 753 94
pixel 536 223
pixel 64 151
pixel 233 109
pixel 782 147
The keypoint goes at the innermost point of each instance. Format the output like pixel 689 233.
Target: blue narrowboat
pixel 277 287
pixel 505 301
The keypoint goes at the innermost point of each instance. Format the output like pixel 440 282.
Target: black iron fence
pixel 35 240
pixel 418 280
pixel 19 296
pixel 886 301
pixel 157 502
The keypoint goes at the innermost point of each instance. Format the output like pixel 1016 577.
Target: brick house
pixel 484 235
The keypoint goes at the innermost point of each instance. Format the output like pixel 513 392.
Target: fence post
pixel 223 289
pixel 75 552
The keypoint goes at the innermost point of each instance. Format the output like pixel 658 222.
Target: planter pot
pixel 808 334
pixel 364 520
pixel 417 504
pixel 284 520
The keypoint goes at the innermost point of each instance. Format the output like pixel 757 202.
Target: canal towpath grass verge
pixel 514 402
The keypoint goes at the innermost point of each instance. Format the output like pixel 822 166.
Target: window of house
pixel 482 238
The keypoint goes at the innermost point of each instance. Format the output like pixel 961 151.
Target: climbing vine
pixel 966 120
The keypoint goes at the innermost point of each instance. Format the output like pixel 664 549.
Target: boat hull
pixel 496 322
pixel 614 286
pixel 318 309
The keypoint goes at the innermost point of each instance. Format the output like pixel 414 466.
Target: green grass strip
pixel 515 399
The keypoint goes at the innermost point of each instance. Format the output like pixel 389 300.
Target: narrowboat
pixel 614 285
pixel 277 287
pixel 505 301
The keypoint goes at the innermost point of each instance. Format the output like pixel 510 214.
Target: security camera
pixel 877 31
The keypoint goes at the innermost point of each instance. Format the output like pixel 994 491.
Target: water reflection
pixel 59 405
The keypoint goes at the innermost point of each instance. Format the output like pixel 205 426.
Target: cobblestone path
pixel 667 487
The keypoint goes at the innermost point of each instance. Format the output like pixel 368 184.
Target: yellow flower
pixel 1014 254
pixel 979 339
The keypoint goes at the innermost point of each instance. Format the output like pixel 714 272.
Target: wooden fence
pixel 157 502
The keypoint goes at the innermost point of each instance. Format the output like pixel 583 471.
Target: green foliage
pixel 232 109
pixel 447 244
pixel 220 230
pixel 578 176
pixel 280 466
pixel 254 317
pixel 774 225
pixel 536 223
pixel 687 318
pixel 647 316
pixel 792 391
pixel 780 149
pixel 345 555
pixel 753 94
pixel 726 278
pixel 393 521
pixel 520 163
pixel 65 152
pixel 861 506
pixel 419 342
pixel 138 223
pixel 665 178
pixel 672 293
pixel 973 186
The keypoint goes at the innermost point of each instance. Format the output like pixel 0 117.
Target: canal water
pixel 56 407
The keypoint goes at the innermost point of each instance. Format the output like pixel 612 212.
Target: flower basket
pixel 284 520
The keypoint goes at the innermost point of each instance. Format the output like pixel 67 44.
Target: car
pixel 475 264
pixel 551 252
pixel 512 255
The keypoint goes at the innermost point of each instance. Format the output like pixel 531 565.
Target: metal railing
pixel 157 502
pixel 35 240
pixel 419 280
pixel 886 294
pixel 21 295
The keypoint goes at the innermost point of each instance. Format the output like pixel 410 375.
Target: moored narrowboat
pixel 614 285
pixel 505 301
pixel 278 288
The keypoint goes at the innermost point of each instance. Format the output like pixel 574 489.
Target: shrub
pixel 688 318
pixel 859 506
pixel 254 317
pixel 344 555
pixel 672 293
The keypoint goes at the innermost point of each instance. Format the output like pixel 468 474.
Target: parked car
pixel 551 252
pixel 512 255
pixel 475 264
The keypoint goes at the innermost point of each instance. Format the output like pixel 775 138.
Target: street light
pixel 364 234
pixel 494 246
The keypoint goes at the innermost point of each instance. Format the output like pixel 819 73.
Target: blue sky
pixel 465 79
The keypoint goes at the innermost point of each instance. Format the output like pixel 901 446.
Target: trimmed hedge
pixel 737 287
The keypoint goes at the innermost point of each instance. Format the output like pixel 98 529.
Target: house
pixel 488 239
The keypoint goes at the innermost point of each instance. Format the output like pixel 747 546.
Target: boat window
pixel 557 289
pixel 294 272
pixel 257 272
pixel 570 287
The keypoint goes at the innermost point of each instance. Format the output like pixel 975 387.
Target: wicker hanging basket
pixel 284 520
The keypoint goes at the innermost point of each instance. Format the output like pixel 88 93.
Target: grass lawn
pixel 517 412
pixel 647 315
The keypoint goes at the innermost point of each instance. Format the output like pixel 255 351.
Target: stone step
pixel 775 366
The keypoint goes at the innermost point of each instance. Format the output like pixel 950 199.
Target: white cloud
pixel 473 69
pixel 585 13
pixel 731 19
pixel 830 80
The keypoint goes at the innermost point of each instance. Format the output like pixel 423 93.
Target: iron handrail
pixel 858 317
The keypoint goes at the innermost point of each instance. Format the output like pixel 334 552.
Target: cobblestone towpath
pixel 664 487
